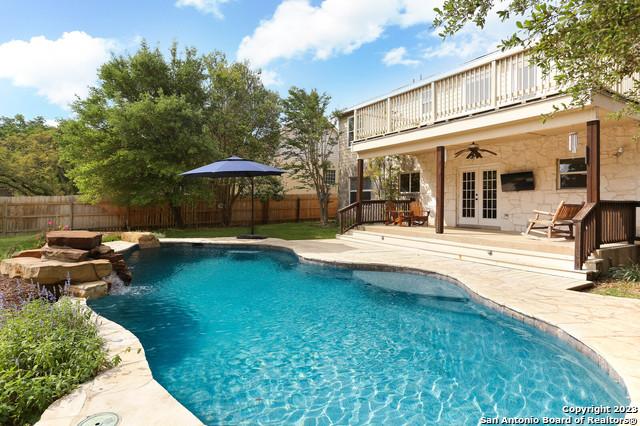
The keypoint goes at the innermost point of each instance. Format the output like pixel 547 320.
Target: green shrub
pixel 46 350
pixel 629 272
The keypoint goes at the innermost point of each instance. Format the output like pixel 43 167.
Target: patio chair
pixel 550 223
pixel 417 215
pixel 392 216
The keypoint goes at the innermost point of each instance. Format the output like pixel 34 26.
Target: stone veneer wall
pixel 346 163
pixel 620 175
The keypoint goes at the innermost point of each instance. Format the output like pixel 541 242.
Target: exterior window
pixel 572 173
pixel 353 189
pixel 410 182
pixel 330 177
pixel 350 130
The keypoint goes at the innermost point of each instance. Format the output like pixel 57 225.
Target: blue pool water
pixel 256 337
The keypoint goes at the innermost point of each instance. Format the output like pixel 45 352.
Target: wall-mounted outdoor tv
pixel 521 181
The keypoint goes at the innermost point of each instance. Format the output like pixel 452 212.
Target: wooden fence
pixel 33 214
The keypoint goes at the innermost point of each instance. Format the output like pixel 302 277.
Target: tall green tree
pixel 590 45
pixel 242 118
pixel 29 162
pixel 308 142
pixel 139 128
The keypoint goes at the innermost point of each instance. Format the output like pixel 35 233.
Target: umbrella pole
pixel 252 227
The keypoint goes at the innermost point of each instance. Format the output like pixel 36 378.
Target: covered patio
pixel 469 206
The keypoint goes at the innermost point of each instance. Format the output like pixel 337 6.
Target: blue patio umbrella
pixel 236 167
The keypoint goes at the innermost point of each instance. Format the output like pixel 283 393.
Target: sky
pixel 353 50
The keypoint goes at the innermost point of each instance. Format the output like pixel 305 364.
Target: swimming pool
pixel 243 336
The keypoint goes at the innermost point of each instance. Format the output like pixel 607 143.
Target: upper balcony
pixel 493 82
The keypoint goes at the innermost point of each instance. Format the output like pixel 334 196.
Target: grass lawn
pixel 13 243
pixel 618 288
pixel 285 231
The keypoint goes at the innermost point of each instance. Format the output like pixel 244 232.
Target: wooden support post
pixel 631 233
pixel 298 209
pixel 593 161
pixel 439 190
pixel 360 166
pixel 593 174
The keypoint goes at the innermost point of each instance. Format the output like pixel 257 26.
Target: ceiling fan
pixel 474 151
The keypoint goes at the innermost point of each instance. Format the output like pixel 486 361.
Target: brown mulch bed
pixel 14 293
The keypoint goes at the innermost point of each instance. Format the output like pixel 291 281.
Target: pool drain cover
pixel 101 419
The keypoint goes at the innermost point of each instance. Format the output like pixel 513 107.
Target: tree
pixel 385 175
pixel 139 129
pixel 242 118
pixel 309 140
pixel 590 45
pixel 29 158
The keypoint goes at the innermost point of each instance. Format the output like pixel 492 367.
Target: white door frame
pixel 477 220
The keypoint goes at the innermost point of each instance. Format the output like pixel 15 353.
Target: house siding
pixel 346 163
pixel 620 175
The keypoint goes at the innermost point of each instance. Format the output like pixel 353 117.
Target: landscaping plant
pixel 46 350
pixel 630 273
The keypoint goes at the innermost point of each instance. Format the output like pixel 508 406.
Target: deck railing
pixel 496 83
pixel 605 222
pixel 370 211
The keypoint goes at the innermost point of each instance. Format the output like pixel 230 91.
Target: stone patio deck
pixel 605 328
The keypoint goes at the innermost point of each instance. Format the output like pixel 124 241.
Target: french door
pixel 478 197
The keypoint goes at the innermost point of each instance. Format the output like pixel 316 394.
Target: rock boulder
pixel 37 253
pixel 45 271
pixel 144 240
pixel 65 254
pixel 82 240
pixel 89 290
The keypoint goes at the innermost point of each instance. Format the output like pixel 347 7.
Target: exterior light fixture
pixel 573 142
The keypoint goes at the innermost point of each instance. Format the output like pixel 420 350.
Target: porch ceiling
pixel 524 119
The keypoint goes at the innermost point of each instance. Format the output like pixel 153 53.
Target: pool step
pixel 547 263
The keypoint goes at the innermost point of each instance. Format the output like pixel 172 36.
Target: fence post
pixel 5 220
pixel 71 214
pixel 298 209
pixel 265 212
pixel 126 224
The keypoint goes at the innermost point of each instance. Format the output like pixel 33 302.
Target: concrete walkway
pixel 607 329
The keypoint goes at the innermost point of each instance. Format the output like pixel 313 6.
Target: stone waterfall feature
pixel 77 257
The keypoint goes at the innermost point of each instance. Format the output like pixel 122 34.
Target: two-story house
pixel 534 153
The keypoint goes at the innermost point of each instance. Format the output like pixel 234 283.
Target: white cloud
pixel 398 56
pixel 462 46
pixel 471 40
pixel 57 69
pixel 51 122
pixel 204 6
pixel 417 12
pixel 270 78
pixel 333 27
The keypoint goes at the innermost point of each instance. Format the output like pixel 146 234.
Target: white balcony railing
pixel 499 82
pixel 494 84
